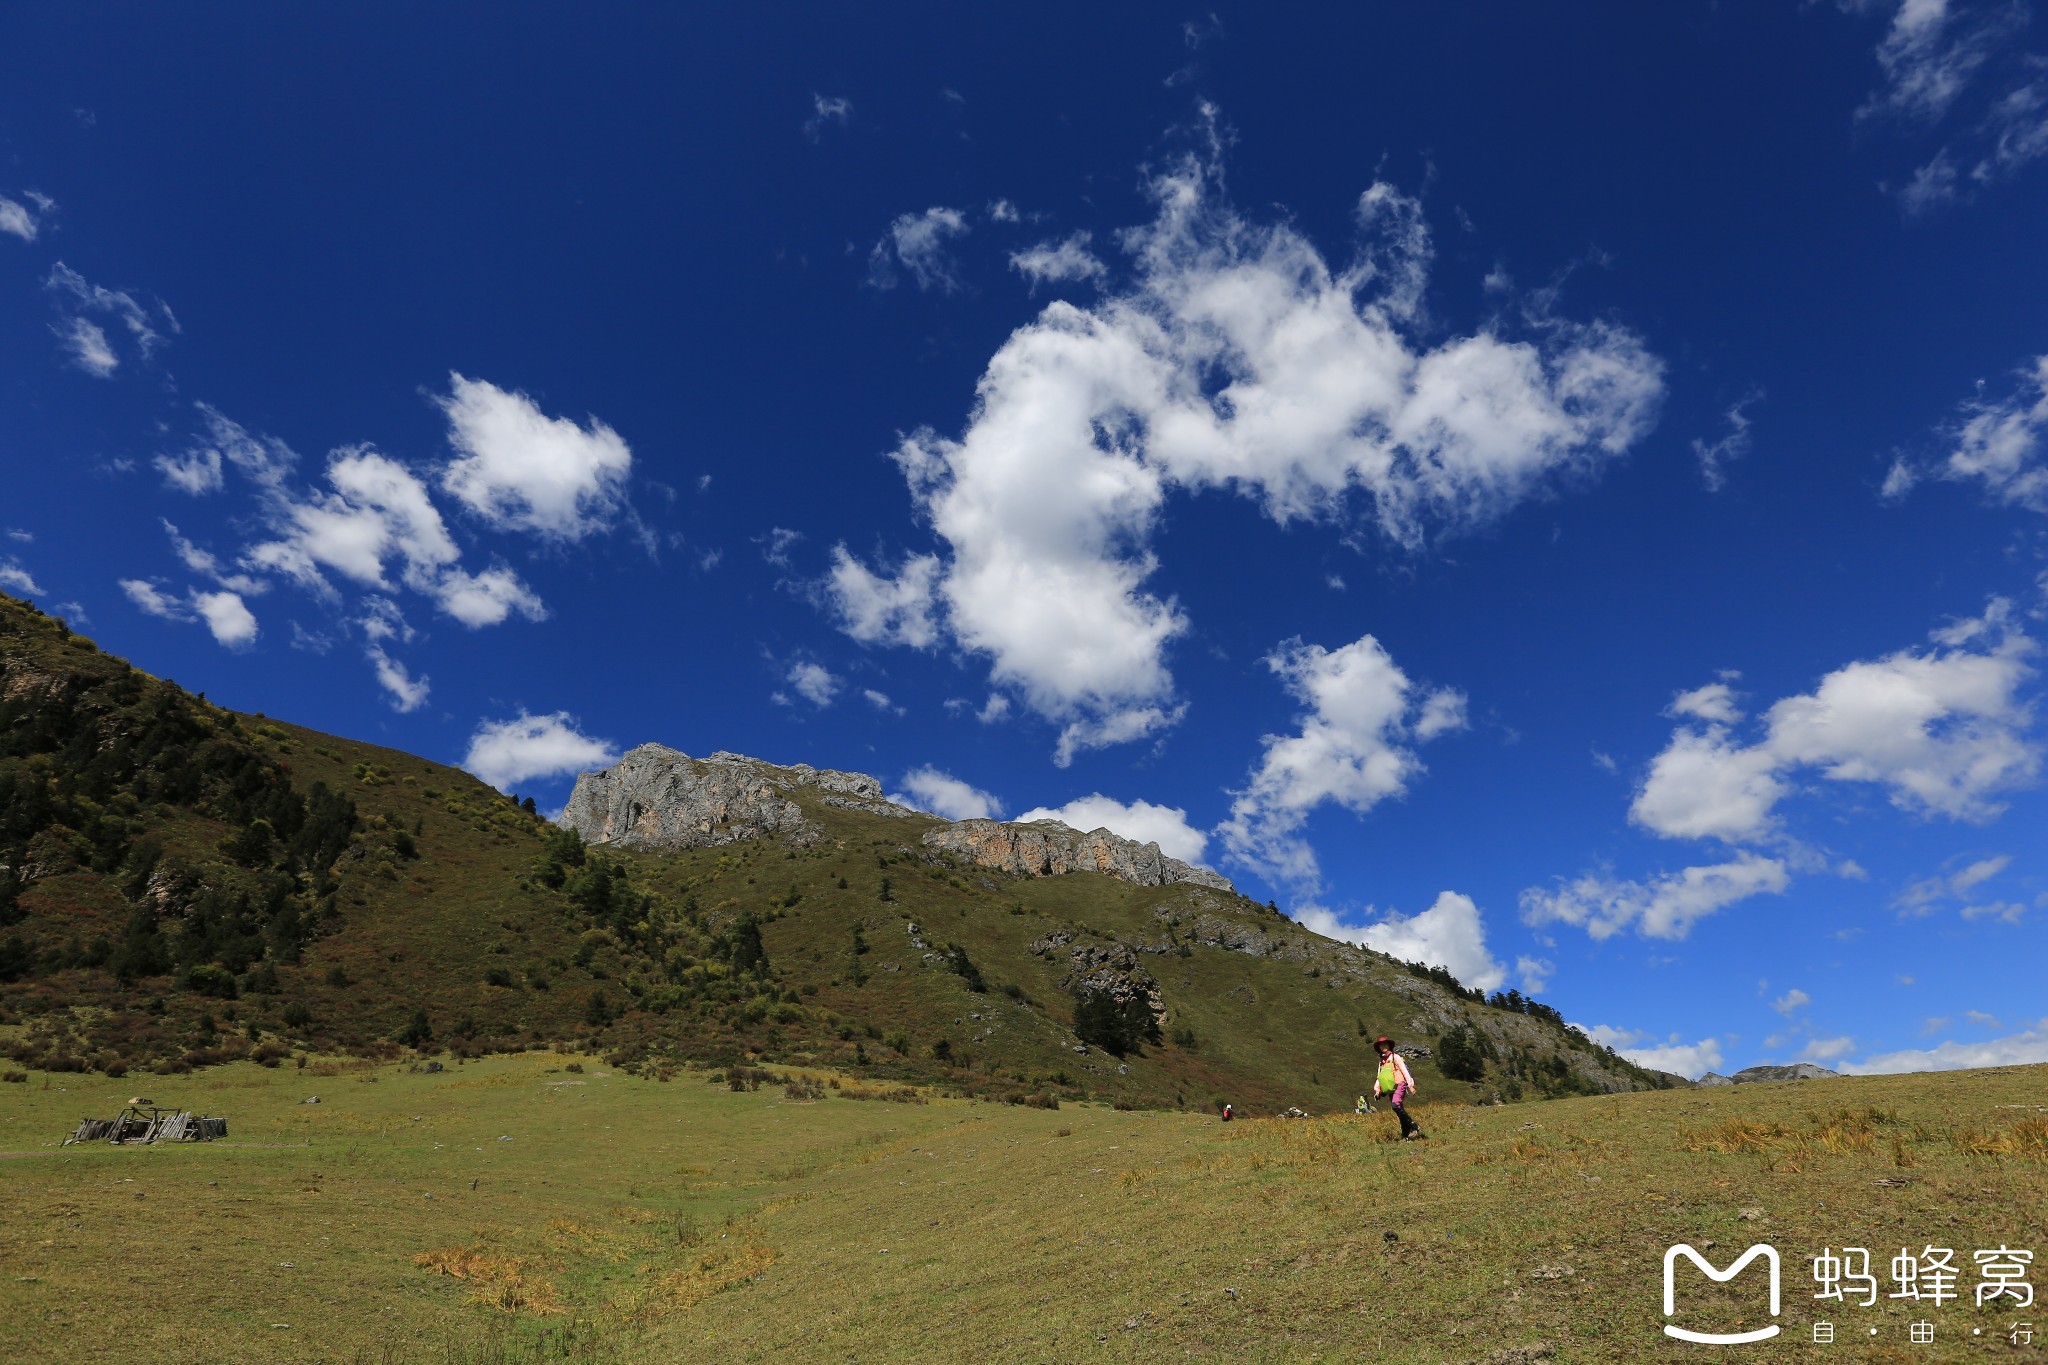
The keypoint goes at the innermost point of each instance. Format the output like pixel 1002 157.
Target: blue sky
pixel 1553 490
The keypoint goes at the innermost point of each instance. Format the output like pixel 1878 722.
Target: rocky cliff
pixel 658 797
pixel 1047 848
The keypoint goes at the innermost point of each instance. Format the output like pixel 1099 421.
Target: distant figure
pixel 1398 1083
pixel 1364 1105
pixel 1228 1114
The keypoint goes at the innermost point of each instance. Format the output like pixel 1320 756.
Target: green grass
pixel 634 1220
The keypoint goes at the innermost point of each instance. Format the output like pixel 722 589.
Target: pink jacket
pixel 1402 1075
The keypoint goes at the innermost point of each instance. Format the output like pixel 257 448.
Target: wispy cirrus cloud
pixel 1956 70
pixel 85 342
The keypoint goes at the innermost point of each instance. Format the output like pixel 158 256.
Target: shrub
pixel 498 976
pixel 1115 1026
pixel 1462 1053
pixel 14 1077
pixel 210 978
pixel 296 1015
pixel 418 1029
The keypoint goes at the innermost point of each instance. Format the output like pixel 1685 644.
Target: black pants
pixel 1408 1126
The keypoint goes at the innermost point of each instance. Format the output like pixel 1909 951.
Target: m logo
pixel 1769 1253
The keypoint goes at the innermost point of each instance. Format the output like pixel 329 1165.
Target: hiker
pixel 1397 1083
pixel 1227 1113
pixel 1364 1105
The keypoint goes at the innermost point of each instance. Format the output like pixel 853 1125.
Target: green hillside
pixel 182 885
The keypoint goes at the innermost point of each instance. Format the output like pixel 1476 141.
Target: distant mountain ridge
pixel 660 798
pixel 1798 1071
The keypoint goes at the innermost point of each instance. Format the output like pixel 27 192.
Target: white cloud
pixel 87 346
pixel 1934 55
pixel 827 110
pixel 202 561
pixel 486 599
pixel 195 471
pixel 1237 358
pixel 152 602
pixel 945 795
pixel 1058 262
pixel 225 614
pixel 382 620
pixel 2000 442
pixel 1958 890
pixel 1690 1060
pixel 1003 211
pixel 264 460
pixel 15 578
pixel 814 683
pixel 777 543
pixel 378 512
pixel 2025 1048
pixel 505 752
pixel 917 242
pixel 880 701
pixel 1791 1001
pixel 877 610
pixel 1703 786
pixel 995 709
pixel 1715 702
pixel 1827 1049
pixel 1716 456
pixel 1449 934
pixel 1351 749
pixel 522 470
pixel 1166 826
pixel 1943 730
pixel 1664 907
pixel 22 221
pixel 1535 973
pixel 1929 58
pixel 407 692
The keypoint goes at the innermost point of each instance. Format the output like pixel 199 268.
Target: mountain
pixel 181 884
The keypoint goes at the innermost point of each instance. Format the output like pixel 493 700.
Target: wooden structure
pixel 142 1123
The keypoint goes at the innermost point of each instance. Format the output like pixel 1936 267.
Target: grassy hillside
pixel 545 1207
pixel 185 886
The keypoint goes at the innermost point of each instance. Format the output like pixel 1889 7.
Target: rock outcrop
pixel 1047 848
pixel 658 797
pixel 1798 1071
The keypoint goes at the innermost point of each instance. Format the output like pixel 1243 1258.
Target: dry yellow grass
pixel 634 1221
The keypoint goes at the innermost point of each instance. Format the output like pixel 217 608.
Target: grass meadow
pixel 547 1207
